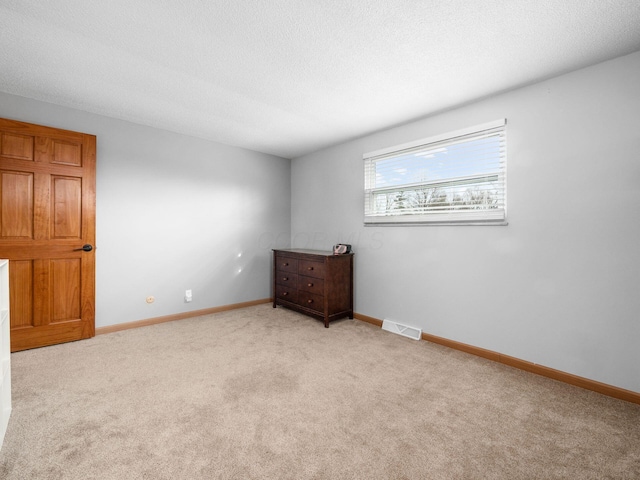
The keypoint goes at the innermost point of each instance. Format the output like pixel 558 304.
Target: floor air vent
pixel 400 329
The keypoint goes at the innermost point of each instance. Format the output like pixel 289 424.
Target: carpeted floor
pixel 263 393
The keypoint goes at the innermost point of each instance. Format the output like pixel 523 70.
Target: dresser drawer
pixel 284 292
pixel 309 300
pixel 311 268
pixel 311 285
pixel 287 279
pixel 286 264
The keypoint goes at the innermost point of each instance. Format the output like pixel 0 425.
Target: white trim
pixel 488 223
pixel 438 138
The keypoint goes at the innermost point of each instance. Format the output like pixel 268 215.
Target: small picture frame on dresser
pixel 341 249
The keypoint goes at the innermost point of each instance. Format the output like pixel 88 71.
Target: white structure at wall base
pixel 5 350
pixel 400 329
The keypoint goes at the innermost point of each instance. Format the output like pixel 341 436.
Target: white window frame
pixel 456 211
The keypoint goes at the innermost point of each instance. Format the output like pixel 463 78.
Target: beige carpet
pixel 260 393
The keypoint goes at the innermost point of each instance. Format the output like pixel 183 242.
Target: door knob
pixel 85 248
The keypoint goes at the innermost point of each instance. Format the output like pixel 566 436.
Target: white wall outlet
pixel 188 296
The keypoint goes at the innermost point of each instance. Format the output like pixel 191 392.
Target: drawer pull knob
pixel 284 294
pixel 285 278
pixel 285 264
pixel 309 268
pixel 310 285
pixel 309 301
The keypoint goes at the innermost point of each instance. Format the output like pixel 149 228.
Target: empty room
pixel 307 239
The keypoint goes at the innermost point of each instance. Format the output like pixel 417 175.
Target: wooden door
pixel 47 215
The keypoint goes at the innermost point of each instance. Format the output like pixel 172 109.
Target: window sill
pixel 502 223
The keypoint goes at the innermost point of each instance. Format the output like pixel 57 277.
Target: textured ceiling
pixel 288 77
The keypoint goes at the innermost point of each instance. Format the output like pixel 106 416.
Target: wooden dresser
pixel 314 282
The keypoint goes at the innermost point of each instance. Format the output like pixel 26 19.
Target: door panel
pixel 17 146
pixel 17 205
pixel 66 153
pixel 65 279
pixel 21 296
pixel 67 207
pixel 47 190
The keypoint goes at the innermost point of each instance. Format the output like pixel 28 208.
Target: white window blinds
pixel 458 177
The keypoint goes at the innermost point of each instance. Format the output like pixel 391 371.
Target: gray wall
pixel 174 213
pixel 558 286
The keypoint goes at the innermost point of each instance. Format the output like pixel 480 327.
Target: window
pixel 456 178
